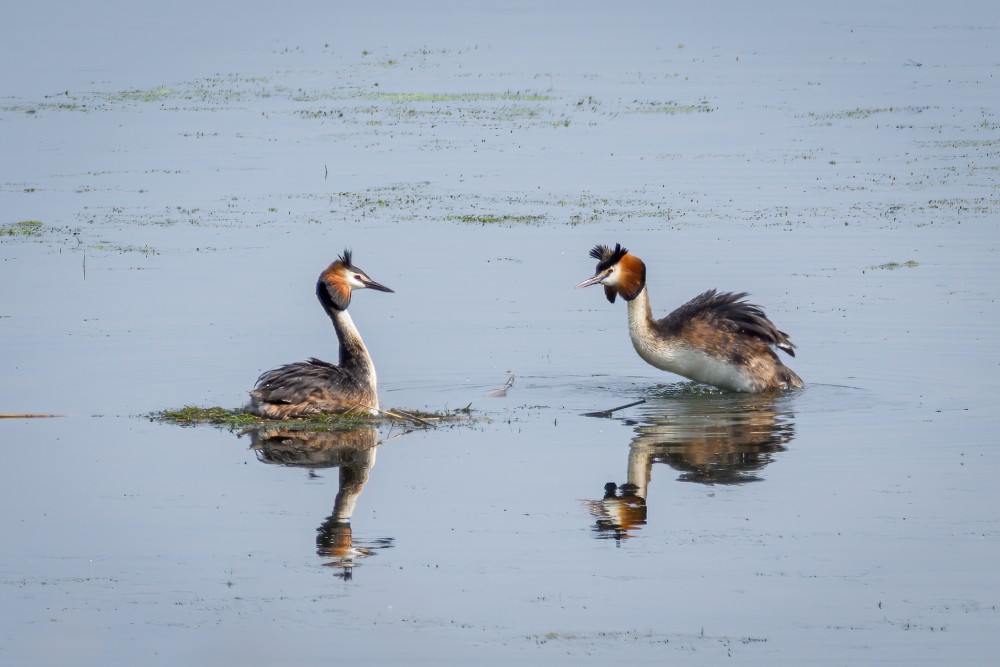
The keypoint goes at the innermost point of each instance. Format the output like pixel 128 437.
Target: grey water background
pixel 194 167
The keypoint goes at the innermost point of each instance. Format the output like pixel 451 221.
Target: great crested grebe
pixel 716 339
pixel 314 386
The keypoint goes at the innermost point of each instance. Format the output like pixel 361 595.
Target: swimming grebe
pixel 716 339
pixel 314 386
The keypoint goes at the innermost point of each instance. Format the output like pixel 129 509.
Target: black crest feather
pixel 606 257
pixel 346 258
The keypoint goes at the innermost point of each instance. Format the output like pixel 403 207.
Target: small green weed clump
pixel 892 266
pixel 191 415
pixel 492 219
pixel 23 228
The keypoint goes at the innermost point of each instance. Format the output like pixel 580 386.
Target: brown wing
pixel 726 313
pixel 301 381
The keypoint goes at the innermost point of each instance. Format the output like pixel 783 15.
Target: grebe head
pixel 340 279
pixel 619 272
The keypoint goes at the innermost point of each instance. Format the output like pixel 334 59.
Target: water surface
pixel 840 163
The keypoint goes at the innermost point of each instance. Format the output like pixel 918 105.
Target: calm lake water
pixel 173 180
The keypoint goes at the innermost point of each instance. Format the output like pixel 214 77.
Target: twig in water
pixel 607 413
pixel 397 435
pixel 26 416
pixel 403 415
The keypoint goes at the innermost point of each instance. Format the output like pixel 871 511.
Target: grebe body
pixel 715 338
pixel 314 386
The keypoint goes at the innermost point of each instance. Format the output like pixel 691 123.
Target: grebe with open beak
pixel 715 338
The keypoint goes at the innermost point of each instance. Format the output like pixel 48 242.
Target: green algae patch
pixel 493 219
pixel 868 112
pixel 23 228
pixel 191 415
pixel 158 94
pixel 458 97
pixel 238 419
pixel 675 108
pixel 892 266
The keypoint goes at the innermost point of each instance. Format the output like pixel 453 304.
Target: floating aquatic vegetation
pixel 239 419
pixel 23 228
pixel 508 96
pixel 674 108
pixel 892 266
pixel 492 218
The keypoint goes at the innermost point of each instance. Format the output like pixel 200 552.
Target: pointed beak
pixel 596 279
pixel 371 284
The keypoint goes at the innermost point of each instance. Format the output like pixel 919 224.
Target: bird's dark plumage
pixel 727 311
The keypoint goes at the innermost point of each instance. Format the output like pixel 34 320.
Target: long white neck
pixel 354 355
pixel 652 348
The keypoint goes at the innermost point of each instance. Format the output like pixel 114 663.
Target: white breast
pixel 694 364
pixel 677 356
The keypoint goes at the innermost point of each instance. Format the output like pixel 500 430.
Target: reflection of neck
pixel 640 464
pixel 353 476
pixel 354 356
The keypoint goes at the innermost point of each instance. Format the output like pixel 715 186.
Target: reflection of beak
pixel 371 284
pixel 596 279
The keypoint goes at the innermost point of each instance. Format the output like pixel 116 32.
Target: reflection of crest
pixel 619 511
pixel 710 438
pixel 353 452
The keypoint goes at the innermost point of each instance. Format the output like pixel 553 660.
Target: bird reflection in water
pixel 710 438
pixel 353 452
pixel 619 511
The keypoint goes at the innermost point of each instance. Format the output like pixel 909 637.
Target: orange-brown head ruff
pixel 619 272
pixel 338 280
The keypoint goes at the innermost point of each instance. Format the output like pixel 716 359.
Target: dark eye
pixel 357 276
